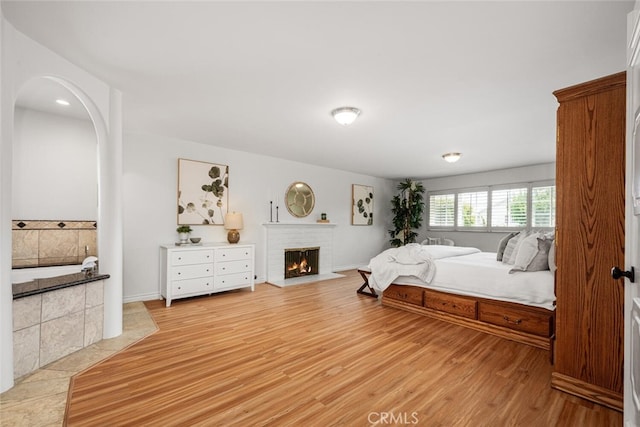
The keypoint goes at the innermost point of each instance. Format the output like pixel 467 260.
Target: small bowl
pixel 195 239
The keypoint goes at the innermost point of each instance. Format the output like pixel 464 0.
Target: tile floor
pixel 39 399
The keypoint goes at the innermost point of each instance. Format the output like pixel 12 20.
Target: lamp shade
pixel 345 115
pixel 233 221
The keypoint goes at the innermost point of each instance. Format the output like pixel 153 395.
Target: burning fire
pixel 302 268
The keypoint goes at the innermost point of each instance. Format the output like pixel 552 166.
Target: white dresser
pixel 191 270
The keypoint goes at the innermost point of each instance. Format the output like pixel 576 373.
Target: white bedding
pixel 480 274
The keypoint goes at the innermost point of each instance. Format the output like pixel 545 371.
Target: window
pixel 543 205
pixel 472 209
pixel 441 210
pixel 517 206
pixel 509 208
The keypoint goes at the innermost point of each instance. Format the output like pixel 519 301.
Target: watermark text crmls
pixel 393 418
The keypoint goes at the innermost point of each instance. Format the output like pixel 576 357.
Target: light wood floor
pixel 320 355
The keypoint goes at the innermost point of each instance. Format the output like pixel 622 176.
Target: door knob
pixel 616 273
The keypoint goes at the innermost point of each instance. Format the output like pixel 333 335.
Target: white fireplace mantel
pixel 286 235
pixel 298 224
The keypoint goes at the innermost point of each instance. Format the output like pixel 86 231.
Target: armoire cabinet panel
pixel 590 174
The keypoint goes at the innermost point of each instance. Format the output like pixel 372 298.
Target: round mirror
pixel 300 199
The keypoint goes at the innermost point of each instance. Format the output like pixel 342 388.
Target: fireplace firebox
pixel 301 262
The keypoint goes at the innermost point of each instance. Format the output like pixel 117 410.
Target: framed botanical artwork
pixel 362 207
pixel 203 192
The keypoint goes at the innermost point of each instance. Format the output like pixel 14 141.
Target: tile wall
pixel 47 243
pixel 54 324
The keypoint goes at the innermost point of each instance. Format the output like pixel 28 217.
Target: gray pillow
pixel 503 245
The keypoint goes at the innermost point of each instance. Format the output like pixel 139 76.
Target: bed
pixel 467 287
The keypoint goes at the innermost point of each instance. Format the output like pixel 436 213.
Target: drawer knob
pixel 515 322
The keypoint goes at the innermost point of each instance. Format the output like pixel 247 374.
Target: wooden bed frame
pixel 517 322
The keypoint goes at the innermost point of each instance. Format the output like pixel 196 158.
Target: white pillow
pixel 510 248
pixel 502 245
pixel 526 250
pixel 552 257
pixel 533 254
pixel 520 238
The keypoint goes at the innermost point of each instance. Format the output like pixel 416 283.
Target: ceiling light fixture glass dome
pixel 345 115
pixel 452 157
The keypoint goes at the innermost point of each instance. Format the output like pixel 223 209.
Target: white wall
pixel 150 205
pixel 485 241
pixel 55 174
pixel 22 60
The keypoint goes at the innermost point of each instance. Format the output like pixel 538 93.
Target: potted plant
pixel 407 209
pixel 183 231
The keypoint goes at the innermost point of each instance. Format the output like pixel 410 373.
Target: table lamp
pixel 233 222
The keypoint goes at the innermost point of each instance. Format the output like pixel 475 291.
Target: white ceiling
pixel 430 77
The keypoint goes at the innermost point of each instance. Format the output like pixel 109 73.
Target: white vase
pixel 184 237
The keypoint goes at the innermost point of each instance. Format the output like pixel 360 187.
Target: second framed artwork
pixel 362 207
pixel 203 192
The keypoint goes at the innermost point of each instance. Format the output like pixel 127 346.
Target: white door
pixel 632 226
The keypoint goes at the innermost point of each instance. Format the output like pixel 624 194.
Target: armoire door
pixel 590 238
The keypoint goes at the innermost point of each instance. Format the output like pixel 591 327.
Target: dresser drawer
pixel 232 281
pixel 191 257
pixel 521 320
pixel 404 293
pixel 453 304
pixel 233 254
pixel 231 267
pixel 185 287
pixel 191 271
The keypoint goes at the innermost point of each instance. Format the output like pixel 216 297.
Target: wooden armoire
pixel 590 185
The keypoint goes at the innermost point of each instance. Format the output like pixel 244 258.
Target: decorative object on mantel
pixel 233 222
pixel 345 115
pixel 362 205
pixel 271 211
pixel 299 199
pixel 407 210
pixel 323 218
pixel 202 192
pixel 183 232
pixel 195 240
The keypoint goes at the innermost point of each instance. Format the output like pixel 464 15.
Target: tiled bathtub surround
pixel 44 243
pixel 51 325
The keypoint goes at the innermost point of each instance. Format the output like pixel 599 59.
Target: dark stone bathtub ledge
pixel 40 286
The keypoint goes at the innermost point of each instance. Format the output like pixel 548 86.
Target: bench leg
pixel 370 292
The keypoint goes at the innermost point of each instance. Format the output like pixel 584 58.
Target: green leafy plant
pixel 184 229
pixel 407 208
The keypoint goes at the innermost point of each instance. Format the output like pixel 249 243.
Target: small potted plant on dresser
pixel 183 232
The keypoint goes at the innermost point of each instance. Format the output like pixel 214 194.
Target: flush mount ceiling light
pixel 452 157
pixel 345 115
